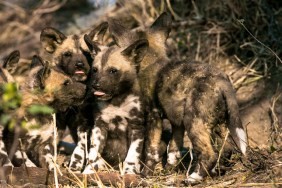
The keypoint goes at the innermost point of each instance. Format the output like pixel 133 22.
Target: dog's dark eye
pixel 94 69
pixel 67 82
pixel 113 70
pixel 67 54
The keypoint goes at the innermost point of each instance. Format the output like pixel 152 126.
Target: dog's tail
pixel 234 123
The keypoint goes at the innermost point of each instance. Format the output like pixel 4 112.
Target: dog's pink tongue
pixel 99 93
pixel 79 72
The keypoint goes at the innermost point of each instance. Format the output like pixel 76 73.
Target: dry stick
pixel 153 10
pixel 197 58
pixel 190 164
pixel 176 17
pixel 221 149
pixel 77 180
pixel 55 151
pixel 180 161
pixel 86 156
pixel 259 184
pixel 272 109
pixel 49 9
pixel 162 6
pixel 145 166
pixel 217 45
pixel 98 180
pixel 241 22
pixel 198 14
pixel 208 173
pixel 13 6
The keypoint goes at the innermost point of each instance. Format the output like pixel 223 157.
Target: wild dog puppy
pixel 191 95
pixel 7 76
pixel 6 68
pixel 74 55
pixel 118 132
pixel 45 85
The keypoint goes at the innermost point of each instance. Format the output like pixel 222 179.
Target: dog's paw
pixel 93 167
pixel 193 179
pixel 130 168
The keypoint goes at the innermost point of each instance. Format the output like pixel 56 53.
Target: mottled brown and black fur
pixel 74 55
pixel 6 69
pixel 8 66
pixel 118 132
pixel 193 96
pixel 49 86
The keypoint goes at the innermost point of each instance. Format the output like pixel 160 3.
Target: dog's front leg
pixel 153 142
pixel 97 144
pixel 46 154
pixel 78 155
pixel 136 140
pixel 4 158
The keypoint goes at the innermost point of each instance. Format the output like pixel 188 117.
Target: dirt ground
pixel 242 38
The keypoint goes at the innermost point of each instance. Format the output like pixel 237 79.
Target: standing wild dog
pixel 45 85
pixel 74 55
pixel 191 95
pixel 118 132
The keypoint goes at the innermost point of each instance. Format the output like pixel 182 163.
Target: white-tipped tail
pixel 243 139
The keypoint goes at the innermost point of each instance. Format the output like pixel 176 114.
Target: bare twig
pixel 55 151
pixel 54 8
pixel 273 114
pixel 176 17
pixel 242 23
pixel 76 179
pixel 221 150
pixel 259 184
pixel 190 164
pixel 13 5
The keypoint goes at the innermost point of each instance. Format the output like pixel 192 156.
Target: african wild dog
pixel 45 85
pixel 74 55
pixel 118 132
pixel 6 77
pixel 71 53
pixel 191 95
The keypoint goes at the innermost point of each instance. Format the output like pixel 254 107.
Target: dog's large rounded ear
pixel 97 34
pixel 38 77
pixel 11 61
pixel 121 35
pixel 162 25
pixel 136 51
pixel 36 81
pixel 92 45
pixel 51 39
